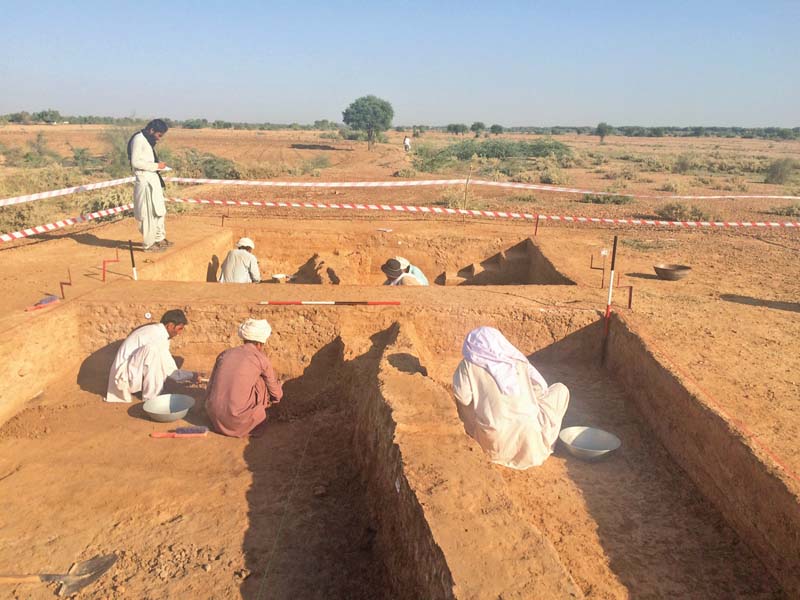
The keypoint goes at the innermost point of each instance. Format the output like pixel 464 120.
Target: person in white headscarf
pixel 243 383
pixel 505 403
pixel 240 265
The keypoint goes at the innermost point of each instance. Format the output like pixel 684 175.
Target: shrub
pixel 670 186
pixel 116 161
pixel 733 184
pixel 330 135
pixel 683 163
pixel 677 211
pixel 456 197
pixel 553 176
pixel 195 164
pixel 793 210
pixel 319 161
pixel 429 159
pixel 605 199
pixel 780 171
pixel 499 148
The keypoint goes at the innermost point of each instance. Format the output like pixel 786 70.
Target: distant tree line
pixel 773 133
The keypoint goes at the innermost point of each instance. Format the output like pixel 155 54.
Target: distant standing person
pixel 241 265
pixel 149 207
pixel 407 144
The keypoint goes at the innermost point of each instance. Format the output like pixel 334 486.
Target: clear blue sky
pixel 513 63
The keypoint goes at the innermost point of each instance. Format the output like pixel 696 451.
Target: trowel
pixel 78 577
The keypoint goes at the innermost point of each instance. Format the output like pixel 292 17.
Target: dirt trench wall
pixel 541 270
pixel 744 486
pixel 435 496
pixel 40 349
pixel 197 262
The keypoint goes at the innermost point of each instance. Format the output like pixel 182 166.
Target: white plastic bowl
pixel 589 443
pixel 168 407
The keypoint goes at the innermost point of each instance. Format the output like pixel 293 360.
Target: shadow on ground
pixel 750 301
pixel 310 535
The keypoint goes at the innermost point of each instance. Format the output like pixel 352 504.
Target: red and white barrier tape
pixel 372 184
pixel 16 235
pixel 484 213
pixel 8 237
pixel 502 184
pixel 65 191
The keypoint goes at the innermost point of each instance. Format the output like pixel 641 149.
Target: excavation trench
pixel 364 485
pixel 318 257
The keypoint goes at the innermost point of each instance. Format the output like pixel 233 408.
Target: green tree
pixel 369 114
pixel 457 128
pixel 477 128
pixel 603 129
pixel 496 129
pixel 195 123
pixel 47 116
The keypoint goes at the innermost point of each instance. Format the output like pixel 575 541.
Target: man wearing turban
pixel 241 265
pixel 243 383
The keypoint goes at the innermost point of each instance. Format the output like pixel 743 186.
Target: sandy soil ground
pixel 731 326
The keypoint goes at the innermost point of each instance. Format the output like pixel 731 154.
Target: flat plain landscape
pixel 728 331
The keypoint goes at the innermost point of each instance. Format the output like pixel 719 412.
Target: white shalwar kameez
pixel 149 207
pixel 142 364
pixel 240 266
pixel 517 427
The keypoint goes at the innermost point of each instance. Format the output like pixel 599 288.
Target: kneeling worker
pixel 241 265
pixel 243 383
pixel 143 361
pixel 399 271
pixel 505 404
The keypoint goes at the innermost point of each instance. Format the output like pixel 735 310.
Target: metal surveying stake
pixel 608 303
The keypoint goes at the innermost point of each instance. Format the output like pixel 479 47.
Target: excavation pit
pixel 354 258
pixel 364 484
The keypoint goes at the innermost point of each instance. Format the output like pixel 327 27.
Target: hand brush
pixel 182 432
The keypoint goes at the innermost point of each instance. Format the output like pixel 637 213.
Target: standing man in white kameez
pixel 149 207
pixel 241 265
pixel 143 361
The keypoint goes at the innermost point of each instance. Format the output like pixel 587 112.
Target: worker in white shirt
pixel 143 361
pixel 240 265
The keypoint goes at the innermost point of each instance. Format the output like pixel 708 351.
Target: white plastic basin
pixel 589 443
pixel 168 407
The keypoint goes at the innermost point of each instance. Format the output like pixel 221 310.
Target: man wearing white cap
pixel 241 265
pixel 243 383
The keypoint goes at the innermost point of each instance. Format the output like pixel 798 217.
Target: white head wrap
pixel 404 262
pixel 255 330
pixel 246 242
pixel 488 348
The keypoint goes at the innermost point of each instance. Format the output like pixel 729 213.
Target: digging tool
pixel 78 577
pixel 182 432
